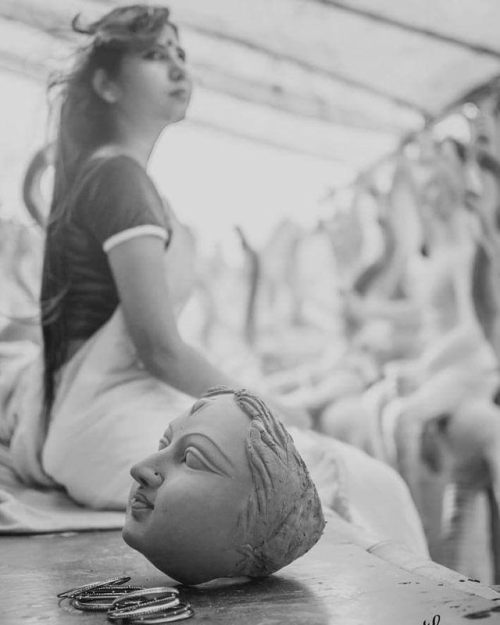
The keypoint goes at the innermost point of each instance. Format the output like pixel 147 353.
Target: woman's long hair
pixel 85 123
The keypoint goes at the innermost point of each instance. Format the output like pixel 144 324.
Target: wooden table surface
pixel 335 583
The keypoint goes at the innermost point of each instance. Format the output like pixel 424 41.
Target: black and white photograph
pixel 249 312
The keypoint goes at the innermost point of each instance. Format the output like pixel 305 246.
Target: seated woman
pixel 114 368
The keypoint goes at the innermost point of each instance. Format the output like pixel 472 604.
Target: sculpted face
pixel 183 509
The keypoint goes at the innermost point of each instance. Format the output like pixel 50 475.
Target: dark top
pixel 113 200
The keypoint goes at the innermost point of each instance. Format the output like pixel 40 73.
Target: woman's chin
pixel 178 114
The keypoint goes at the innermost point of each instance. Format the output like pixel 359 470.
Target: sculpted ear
pixel 104 87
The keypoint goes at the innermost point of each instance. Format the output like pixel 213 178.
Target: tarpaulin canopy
pixel 340 80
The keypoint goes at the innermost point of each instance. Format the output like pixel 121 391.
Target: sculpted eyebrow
pixel 197 406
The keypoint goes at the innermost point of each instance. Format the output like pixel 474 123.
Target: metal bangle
pixel 90 606
pixel 113 581
pixel 146 594
pixel 108 592
pixel 183 612
pixel 151 607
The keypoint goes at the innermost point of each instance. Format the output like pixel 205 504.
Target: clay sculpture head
pixel 226 494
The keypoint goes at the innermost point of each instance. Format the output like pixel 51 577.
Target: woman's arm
pixel 139 272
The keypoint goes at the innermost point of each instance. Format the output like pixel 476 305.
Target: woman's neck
pixel 137 142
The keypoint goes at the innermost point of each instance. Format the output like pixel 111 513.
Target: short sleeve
pixel 118 201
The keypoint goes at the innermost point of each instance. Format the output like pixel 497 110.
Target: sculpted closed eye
pixel 194 459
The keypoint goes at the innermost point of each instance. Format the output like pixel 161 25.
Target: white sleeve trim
pixel 131 233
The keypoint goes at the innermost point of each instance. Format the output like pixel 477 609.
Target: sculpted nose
pixel 146 473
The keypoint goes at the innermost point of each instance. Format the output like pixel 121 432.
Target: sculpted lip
pixel 140 501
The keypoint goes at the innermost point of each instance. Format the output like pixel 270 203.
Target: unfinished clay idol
pixel 226 494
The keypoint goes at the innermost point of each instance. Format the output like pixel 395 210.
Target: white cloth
pixel 109 413
pixel 30 510
pixel 361 489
